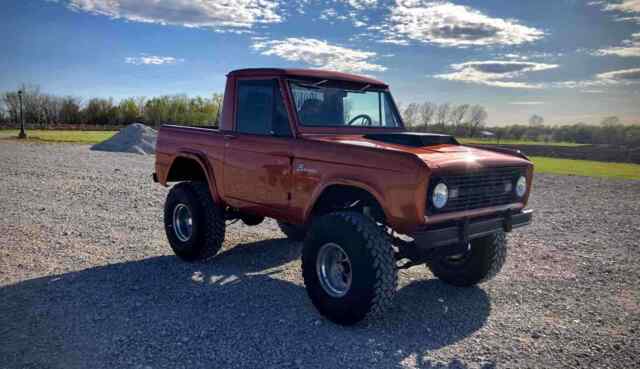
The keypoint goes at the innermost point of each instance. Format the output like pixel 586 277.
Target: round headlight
pixel 440 195
pixel 521 186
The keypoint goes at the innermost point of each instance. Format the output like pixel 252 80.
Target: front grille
pixel 485 188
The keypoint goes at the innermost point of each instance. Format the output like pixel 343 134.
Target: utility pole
pixel 22 132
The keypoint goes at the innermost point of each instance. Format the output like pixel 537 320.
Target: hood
pixel 451 155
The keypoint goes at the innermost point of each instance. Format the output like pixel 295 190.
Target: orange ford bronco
pixel 327 156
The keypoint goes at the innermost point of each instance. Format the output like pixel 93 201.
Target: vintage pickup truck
pixel 326 154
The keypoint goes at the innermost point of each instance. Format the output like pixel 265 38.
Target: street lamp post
pixel 22 134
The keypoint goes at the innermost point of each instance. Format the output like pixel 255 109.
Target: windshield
pixel 338 107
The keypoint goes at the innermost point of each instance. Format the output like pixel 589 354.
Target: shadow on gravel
pixel 232 312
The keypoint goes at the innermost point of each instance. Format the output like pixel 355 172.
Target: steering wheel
pixel 366 120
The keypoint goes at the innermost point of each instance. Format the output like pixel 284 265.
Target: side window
pixel 261 109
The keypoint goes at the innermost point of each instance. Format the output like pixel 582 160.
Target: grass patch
pixel 73 136
pixel 476 141
pixel 586 168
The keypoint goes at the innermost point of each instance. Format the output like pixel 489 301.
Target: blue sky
pixel 567 60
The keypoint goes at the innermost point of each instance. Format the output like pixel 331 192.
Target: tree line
pixel 467 120
pixel 610 131
pixel 45 110
pixel 460 120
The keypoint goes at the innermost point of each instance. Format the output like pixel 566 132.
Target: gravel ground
pixel 87 280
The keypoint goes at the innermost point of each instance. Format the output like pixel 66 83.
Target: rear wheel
pixel 481 262
pixel 348 267
pixel 292 231
pixel 194 224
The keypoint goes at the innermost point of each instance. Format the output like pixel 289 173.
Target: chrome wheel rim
pixel 182 222
pixel 334 270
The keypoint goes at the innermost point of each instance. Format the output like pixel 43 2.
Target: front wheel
pixel 481 262
pixel 348 267
pixel 194 224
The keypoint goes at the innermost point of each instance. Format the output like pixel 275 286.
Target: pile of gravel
pixel 134 138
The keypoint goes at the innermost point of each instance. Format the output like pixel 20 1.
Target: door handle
pixel 229 137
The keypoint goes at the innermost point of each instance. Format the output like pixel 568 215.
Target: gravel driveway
pixel 87 280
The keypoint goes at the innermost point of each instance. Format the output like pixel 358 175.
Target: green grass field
pixel 586 168
pixel 475 141
pixel 82 137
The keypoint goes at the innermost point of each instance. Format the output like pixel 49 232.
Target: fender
pixel 200 158
pixel 344 182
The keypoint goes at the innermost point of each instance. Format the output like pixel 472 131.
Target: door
pixel 257 167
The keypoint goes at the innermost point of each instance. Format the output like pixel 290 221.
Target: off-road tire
pixel 374 272
pixel 292 231
pixel 208 221
pixel 483 261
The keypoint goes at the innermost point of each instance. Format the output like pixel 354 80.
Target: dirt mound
pixel 134 138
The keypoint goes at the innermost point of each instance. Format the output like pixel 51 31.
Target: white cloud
pixel 629 48
pixel 320 54
pixel 394 41
pixel 530 55
pixel 448 24
pixel 358 23
pixel 151 59
pixel 355 15
pixel 330 14
pixel 361 4
pixel 514 56
pixel 497 73
pixel 619 77
pixel 625 76
pixel 628 19
pixel 194 14
pixel 630 9
pixel 626 6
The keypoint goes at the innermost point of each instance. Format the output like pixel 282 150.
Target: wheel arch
pixel 192 166
pixel 335 192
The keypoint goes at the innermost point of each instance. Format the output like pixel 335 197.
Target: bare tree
pixel 410 114
pixel 477 118
pixel 218 99
pixel 427 111
pixel 536 120
pixel 32 103
pixel 70 111
pixel 612 131
pixel 140 102
pixel 50 108
pixel 442 114
pixel 11 103
pixel 456 116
